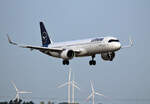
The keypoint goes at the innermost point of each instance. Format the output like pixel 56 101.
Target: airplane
pixel 106 46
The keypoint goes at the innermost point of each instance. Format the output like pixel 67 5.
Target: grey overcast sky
pixel 127 77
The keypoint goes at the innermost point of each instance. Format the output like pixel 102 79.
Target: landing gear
pixel 65 62
pixel 92 62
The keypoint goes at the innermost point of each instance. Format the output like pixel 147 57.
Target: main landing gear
pixel 92 62
pixel 65 62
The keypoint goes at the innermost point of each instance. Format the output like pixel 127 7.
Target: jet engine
pixel 67 54
pixel 109 56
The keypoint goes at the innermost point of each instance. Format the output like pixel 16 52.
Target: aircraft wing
pixel 39 48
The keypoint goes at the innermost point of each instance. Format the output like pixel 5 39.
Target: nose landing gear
pixel 92 62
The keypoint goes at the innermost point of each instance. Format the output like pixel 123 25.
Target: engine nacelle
pixel 67 54
pixel 109 56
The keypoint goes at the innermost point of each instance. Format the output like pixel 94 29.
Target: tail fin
pixel 44 35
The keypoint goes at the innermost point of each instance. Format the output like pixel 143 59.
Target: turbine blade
pixel 99 94
pixel 89 96
pixel 16 97
pixel 76 86
pixel 92 86
pixel 74 82
pixel 14 86
pixel 24 92
pixel 63 85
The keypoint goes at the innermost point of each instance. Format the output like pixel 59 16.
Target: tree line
pixel 17 102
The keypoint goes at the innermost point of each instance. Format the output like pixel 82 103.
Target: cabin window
pixel 113 40
pixel 97 39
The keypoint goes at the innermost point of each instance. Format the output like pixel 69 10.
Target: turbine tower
pixel 18 91
pixel 69 84
pixel 93 93
pixel 74 85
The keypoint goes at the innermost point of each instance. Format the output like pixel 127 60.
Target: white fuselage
pixel 106 46
pixel 87 47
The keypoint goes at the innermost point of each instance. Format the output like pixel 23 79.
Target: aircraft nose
pixel 118 45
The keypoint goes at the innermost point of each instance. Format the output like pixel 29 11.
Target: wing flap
pixel 41 48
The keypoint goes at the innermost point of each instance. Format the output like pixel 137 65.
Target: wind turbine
pixel 74 85
pixel 67 83
pixel 93 93
pixel 18 91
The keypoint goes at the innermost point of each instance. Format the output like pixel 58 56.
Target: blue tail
pixel 44 35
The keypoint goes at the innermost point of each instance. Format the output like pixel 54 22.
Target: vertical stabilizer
pixel 44 35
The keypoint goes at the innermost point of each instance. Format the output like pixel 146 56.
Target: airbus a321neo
pixel 106 46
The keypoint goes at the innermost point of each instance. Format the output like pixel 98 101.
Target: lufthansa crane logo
pixel 44 35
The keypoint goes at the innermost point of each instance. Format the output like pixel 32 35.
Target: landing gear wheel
pixel 92 62
pixel 65 62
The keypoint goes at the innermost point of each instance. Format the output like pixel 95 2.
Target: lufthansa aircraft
pixel 106 46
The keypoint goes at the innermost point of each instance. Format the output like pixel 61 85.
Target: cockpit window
pixel 97 39
pixel 113 40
